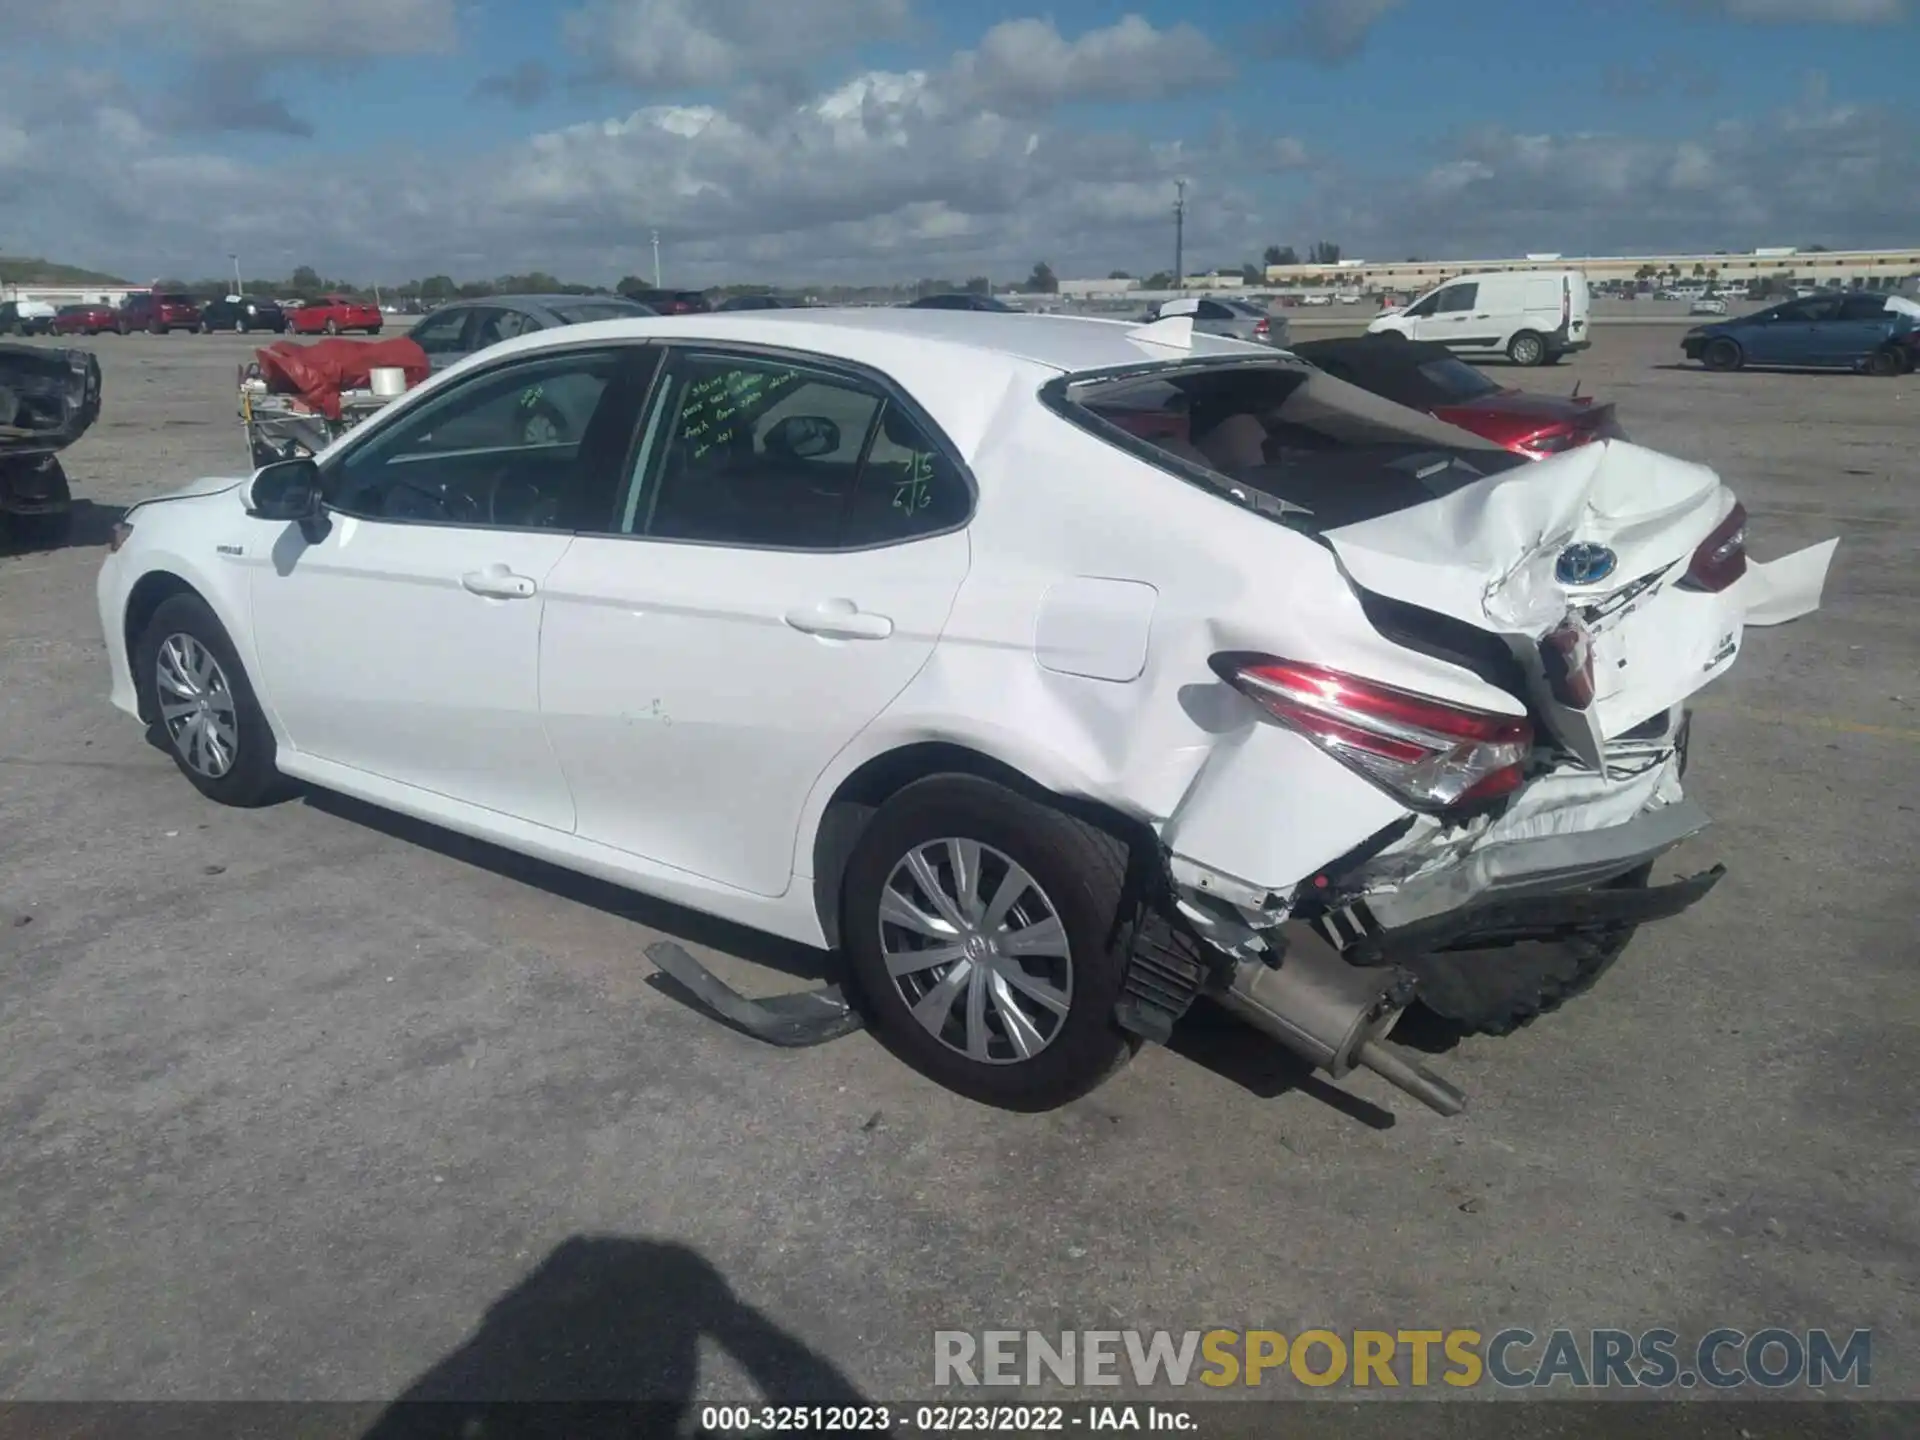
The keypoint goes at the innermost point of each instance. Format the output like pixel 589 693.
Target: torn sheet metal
pixel 1486 554
pixel 1787 588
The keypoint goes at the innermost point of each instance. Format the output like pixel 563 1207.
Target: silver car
pixel 1235 319
pixel 554 414
pixel 455 331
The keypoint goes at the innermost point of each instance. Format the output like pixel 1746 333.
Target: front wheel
pixel 332 327
pixel 196 693
pixel 1722 354
pixel 986 933
pixel 1527 348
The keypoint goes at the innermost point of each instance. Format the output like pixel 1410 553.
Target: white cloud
pixel 1820 171
pixel 964 168
pixel 677 44
pixel 1027 66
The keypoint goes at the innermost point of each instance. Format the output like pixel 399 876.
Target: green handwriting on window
pixel 915 493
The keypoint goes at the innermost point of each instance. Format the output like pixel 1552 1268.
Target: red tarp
pixel 317 373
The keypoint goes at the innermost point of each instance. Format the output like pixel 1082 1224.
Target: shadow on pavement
pixel 754 946
pixel 604 1339
pixel 83 527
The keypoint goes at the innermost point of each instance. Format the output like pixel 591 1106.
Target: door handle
pixel 497 582
pixel 840 620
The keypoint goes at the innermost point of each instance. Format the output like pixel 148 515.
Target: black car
pixel 761 302
pixel 961 302
pixel 241 313
pixel 670 302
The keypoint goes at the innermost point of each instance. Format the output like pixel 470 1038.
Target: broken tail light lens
pixel 1721 558
pixel 1428 753
pixel 1262 327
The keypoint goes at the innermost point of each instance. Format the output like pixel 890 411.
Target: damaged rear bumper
pixel 1525 889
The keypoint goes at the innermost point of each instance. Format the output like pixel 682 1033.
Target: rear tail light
pixel 1722 556
pixel 1429 754
pixel 1261 327
pixel 1552 442
pixel 1566 300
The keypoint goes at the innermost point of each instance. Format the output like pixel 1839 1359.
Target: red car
pixel 157 312
pixel 85 319
pixel 1429 377
pixel 333 314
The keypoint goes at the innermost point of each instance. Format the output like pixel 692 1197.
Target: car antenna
pixel 1576 390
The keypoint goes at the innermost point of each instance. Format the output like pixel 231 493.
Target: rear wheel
pixel 240 326
pixel 197 694
pixel 1527 348
pixel 1886 362
pixel 332 326
pixel 1722 354
pixel 988 935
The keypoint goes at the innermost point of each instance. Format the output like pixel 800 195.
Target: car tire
pixel 120 328
pixel 1886 362
pixel 196 645
pixel 332 327
pixel 1722 354
pixel 1527 348
pixel 1498 990
pixel 240 325
pixel 1073 902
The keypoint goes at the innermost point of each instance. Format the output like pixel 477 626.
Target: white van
pixel 1532 317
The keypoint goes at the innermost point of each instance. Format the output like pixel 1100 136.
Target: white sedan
pixel 1054 670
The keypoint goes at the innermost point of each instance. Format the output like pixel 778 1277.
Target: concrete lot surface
pixel 311 1102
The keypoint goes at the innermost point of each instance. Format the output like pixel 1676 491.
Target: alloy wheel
pixel 976 950
pixel 196 705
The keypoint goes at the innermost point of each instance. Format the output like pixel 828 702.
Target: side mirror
pixel 289 490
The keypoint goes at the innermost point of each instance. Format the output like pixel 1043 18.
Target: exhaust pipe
pixel 1334 1014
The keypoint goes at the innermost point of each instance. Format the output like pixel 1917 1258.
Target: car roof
pixel 1067 343
pixel 957 363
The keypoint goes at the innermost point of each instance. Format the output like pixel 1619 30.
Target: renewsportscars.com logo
pixel 1772 1358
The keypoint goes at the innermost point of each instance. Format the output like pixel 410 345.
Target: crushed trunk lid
pixel 1599 538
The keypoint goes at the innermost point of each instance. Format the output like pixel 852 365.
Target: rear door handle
pixel 497 582
pixel 840 620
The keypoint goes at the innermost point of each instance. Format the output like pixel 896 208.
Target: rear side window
pixel 764 453
pixel 1454 298
pixel 1863 307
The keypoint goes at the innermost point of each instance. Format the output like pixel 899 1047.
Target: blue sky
pixel 835 139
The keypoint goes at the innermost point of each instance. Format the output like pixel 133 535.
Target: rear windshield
pixel 589 310
pixel 1450 379
pixel 174 299
pixel 1280 437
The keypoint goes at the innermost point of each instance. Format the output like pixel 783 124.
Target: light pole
pixel 1179 235
pixel 656 259
pixel 236 273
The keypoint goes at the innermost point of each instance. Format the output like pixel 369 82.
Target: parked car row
pixel 163 311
